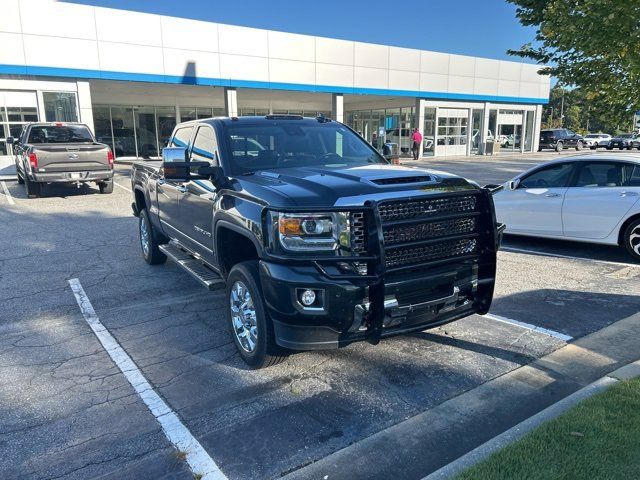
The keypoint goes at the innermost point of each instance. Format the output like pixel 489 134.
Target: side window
pixel 553 176
pixel 600 174
pixel 632 175
pixel 204 146
pixel 181 137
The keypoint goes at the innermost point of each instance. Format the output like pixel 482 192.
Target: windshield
pixel 626 135
pixel 592 135
pixel 60 134
pixel 293 143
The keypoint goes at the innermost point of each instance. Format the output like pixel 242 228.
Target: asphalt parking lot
pixel 69 412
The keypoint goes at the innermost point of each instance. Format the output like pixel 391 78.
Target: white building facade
pixel 131 76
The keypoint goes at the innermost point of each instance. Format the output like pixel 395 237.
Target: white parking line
pixel 8 194
pixel 570 257
pixel 199 461
pixel 528 326
pixel 124 188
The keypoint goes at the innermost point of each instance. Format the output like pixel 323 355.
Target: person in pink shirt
pixel 417 141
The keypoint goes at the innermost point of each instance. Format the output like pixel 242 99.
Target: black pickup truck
pixel 318 240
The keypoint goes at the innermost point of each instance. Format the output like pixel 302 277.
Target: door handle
pixel 551 195
pixel 182 189
pixel 628 194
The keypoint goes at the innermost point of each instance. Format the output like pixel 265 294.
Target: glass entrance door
pixel 429 132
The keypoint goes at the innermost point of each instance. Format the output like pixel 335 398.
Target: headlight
pixel 314 231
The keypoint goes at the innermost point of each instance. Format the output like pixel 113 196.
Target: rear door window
pixel 204 146
pixel 601 174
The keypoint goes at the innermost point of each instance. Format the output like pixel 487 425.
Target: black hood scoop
pixel 402 180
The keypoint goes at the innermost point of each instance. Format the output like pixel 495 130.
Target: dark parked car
pixel 559 138
pixel 624 141
pixel 318 240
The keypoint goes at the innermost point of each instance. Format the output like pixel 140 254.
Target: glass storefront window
pixel 188 113
pixel 146 135
pixel 102 125
pixel 203 112
pixel 166 121
pixel 60 106
pixel 124 139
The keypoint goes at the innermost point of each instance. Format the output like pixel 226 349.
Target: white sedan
pixel 593 199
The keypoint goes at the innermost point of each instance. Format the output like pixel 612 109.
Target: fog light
pixel 308 298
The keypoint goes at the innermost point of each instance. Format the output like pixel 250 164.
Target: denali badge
pixel 202 231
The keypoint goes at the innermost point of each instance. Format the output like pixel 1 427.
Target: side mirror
pixel 174 163
pixel 10 140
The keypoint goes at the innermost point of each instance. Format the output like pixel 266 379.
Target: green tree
pixel 590 44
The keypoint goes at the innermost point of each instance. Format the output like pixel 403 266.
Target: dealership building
pixel 131 76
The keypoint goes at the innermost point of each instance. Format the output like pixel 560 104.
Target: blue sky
pixel 485 28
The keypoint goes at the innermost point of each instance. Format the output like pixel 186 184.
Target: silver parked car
pixel 596 140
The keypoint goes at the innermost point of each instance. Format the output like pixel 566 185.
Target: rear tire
pixel 251 327
pixel 631 239
pixel 20 179
pixel 34 189
pixel 559 147
pixel 106 187
pixel 149 240
pixel 592 148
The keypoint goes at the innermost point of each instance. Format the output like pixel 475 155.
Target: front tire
pixel 251 327
pixel 149 240
pixel 631 239
pixel 559 147
pixel 579 146
pixel 592 148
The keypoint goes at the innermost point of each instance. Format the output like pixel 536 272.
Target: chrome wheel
pixel 634 240
pixel 243 317
pixel 144 237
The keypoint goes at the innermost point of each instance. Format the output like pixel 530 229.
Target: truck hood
pixel 319 187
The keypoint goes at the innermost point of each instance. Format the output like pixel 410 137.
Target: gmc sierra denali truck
pixel 61 153
pixel 318 240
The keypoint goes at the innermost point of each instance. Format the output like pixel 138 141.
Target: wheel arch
pixel 623 227
pixel 234 245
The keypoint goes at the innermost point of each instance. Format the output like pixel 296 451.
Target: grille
pixel 419 232
pixel 424 231
pixel 426 253
pixel 430 207
pixel 358 233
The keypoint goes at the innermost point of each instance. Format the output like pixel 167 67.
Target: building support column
pixel 84 104
pixel 537 123
pixel 485 129
pixel 419 119
pixel 231 101
pixel 337 107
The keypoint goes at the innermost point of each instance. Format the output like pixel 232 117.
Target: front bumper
pixel 72 177
pixel 413 303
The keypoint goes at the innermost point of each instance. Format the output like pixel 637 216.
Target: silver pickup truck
pixel 61 153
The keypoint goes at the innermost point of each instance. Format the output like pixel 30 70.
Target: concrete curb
pixel 629 371
pixel 441 436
